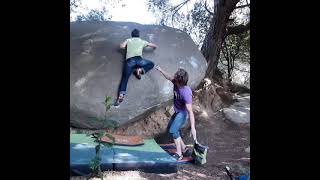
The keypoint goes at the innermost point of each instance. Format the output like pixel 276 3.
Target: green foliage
pixel 96 161
pixel 238 46
pixel 110 124
pixel 74 4
pixel 200 19
pixel 95 164
pixel 111 138
pixel 235 55
pixel 107 102
pixel 108 145
pixel 195 21
pixel 93 15
pixel 99 14
pixel 98 135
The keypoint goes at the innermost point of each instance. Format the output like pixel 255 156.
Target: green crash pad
pixel 82 139
pixel 82 151
pixel 149 157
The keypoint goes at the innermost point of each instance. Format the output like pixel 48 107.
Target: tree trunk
pixel 217 32
pixel 229 71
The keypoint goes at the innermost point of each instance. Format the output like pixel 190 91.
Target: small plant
pixel 96 161
pixel 110 124
pixel 107 103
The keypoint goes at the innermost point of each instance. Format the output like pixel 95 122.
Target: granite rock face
pixel 239 112
pixel 96 63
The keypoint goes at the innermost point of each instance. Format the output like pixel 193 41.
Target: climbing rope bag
pixel 199 153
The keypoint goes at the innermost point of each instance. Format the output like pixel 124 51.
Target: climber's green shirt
pixel 135 46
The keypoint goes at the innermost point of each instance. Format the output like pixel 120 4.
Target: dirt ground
pixel 227 142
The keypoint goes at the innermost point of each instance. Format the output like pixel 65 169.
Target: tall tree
pixel 214 22
pixel 217 33
pixel 235 55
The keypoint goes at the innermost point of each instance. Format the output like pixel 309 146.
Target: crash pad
pixel 82 152
pixel 171 149
pixel 149 157
pixel 123 140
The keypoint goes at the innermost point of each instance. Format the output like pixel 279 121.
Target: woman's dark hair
pixel 135 33
pixel 181 77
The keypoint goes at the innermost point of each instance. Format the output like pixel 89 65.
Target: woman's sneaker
pixel 187 152
pixel 177 157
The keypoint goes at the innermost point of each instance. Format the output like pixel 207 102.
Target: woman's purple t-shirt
pixel 182 96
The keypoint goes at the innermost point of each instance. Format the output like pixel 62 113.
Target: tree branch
pixel 237 51
pixel 224 49
pixel 229 62
pixel 206 7
pixel 179 6
pixel 242 6
pixel 238 29
pixel 232 62
pixel 224 54
pixel 176 9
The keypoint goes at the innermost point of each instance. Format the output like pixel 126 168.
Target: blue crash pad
pixel 149 157
pixel 82 151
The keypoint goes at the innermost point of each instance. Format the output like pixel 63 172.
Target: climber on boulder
pixel 134 61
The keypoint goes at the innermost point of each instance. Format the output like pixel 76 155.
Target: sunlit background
pixel 190 16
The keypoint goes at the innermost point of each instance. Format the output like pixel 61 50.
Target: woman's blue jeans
pixel 176 122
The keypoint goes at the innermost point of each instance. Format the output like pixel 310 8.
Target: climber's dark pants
pixel 130 66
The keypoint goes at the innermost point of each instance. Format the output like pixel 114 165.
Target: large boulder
pixel 96 64
pixel 239 112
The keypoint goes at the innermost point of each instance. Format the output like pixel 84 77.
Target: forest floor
pixel 227 143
